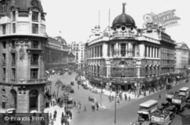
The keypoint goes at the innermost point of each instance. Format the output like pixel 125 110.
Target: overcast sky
pixel 76 18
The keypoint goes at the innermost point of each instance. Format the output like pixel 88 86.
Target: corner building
pixel 22 42
pixel 127 56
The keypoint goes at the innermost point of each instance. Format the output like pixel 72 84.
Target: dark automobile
pixel 188 103
pixel 91 99
pixel 168 87
pixel 70 73
pixel 85 86
pixel 72 83
pixel 69 89
pixel 72 91
pixel 172 110
pixel 165 104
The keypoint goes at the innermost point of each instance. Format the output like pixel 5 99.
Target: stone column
pixel 104 50
pixel 126 49
pixel 94 51
pixel 153 52
pixel 115 49
pixel 119 44
pixel 110 45
pixel 108 69
pixel 130 49
pixel 100 51
pixel 142 50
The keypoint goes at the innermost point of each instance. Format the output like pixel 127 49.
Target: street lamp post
pixel 101 94
pixel 115 107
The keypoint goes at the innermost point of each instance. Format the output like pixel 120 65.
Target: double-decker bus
pixel 184 91
pixel 145 110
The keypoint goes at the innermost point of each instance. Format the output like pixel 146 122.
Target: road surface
pixel 126 111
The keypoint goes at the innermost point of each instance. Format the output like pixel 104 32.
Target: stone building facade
pixel 125 54
pixel 182 57
pixel 22 42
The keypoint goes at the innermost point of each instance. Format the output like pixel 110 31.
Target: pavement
pixel 126 110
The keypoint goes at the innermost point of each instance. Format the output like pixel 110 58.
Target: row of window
pixel 95 51
pixel 144 72
pixel 34 60
pixel 34 44
pixel 151 51
pixel 35 15
pixel 33 74
pixel 35 28
pixel 123 50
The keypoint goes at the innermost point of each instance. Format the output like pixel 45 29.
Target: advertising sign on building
pixel 164 19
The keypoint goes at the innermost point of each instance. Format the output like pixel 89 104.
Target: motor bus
pixel 179 102
pixel 170 95
pixel 184 91
pixel 145 110
pixel 160 117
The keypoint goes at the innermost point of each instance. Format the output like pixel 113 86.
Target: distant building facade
pixel 182 57
pixel 56 53
pixel 167 57
pixel 78 49
pixel 22 44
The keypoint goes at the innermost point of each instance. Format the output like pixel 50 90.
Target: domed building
pixel 125 56
pixel 123 21
pixel 22 42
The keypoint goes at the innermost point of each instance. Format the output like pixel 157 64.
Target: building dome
pixel 123 20
pixel 25 5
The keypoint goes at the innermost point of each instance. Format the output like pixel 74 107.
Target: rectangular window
pixel 4 59
pixel 35 28
pixel 112 50
pixel 13 74
pixel 3 105
pixel 34 44
pixel 35 16
pixel 145 51
pixel 23 14
pixel 13 44
pixel 34 74
pixel 34 59
pixel 13 59
pixel 4 28
pixel 14 15
pixel 14 28
pixel 4 44
pixel 4 74
pixel 123 49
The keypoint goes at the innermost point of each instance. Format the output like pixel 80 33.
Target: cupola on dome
pixel 123 20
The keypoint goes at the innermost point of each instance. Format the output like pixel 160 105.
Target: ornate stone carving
pixel 21 53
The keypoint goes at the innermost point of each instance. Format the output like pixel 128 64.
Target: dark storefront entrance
pixel 33 100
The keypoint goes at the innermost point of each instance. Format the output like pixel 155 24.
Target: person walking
pixel 85 109
pixel 129 98
pixel 70 114
pixel 125 97
pixel 55 115
pixel 159 96
pixel 97 106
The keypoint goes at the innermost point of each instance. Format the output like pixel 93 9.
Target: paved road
pixel 126 110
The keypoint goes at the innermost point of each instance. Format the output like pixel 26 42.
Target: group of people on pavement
pixel 65 117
